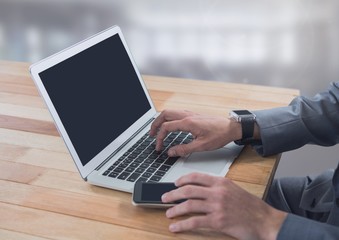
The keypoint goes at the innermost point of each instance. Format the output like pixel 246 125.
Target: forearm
pixel 305 120
pixel 295 227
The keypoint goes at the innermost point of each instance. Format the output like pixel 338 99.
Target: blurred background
pixel 286 43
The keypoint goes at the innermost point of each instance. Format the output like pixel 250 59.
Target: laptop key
pixel 134 165
pixel 110 168
pixel 129 169
pixel 137 151
pixel 171 161
pixel 147 174
pixel 153 156
pixel 133 155
pixel 148 161
pixel 124 175
pixel 155 165
pixel 117 162
pixel 142 179
pixel 123 165
pixel 128 160
pixel 164 168
pixel 118 169
pixel 155 178
pixel 138 160
pixel 148 151
pixel 143 155
pixel 160 161
pixel 163 156
pixel 160 173
pixel 151 147
pixel 133 177
pixel 140 170
pixel 106 173
pixel 151 170
pixel 144 165
pixel 113 174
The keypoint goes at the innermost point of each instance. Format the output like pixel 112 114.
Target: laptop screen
pixel 97 95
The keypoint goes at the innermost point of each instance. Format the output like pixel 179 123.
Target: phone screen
pixel 152 192
pixel 149 194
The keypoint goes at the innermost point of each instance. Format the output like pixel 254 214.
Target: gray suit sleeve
pixel 305 121
pixel 295 227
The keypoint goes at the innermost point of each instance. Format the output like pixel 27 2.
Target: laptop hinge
pixel 124 144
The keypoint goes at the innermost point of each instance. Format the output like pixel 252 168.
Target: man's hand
pixel 221 205
pixel 209 132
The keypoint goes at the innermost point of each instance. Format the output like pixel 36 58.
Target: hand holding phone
pixel 148 194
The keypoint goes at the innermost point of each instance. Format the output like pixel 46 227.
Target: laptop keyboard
pixel 143 163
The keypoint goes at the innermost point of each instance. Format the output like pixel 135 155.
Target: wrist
pixel 272 224
pixel 236 130
pixel 249 129
pixel 256 132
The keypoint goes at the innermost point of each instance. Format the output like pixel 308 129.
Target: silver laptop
pixel 103 111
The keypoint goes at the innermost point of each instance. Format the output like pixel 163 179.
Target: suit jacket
pixel 305 121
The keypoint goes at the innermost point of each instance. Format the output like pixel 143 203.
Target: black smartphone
pixel 148 194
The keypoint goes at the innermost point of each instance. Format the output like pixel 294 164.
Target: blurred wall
pixel 287 43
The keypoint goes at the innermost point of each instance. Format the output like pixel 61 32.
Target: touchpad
pixel 211 161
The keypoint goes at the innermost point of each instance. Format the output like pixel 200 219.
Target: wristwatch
pixel 247 120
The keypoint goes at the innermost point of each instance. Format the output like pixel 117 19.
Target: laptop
pixel 103 111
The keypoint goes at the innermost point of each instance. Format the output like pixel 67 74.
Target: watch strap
pixel 247 141
pixel 247 126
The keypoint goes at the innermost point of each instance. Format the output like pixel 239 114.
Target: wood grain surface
pixel 42 195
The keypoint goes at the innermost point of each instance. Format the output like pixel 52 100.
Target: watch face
pixel 237 115
pixel 242 112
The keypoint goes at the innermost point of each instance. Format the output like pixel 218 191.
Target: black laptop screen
pixel 97 95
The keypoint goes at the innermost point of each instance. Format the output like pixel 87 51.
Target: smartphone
pixel 148 194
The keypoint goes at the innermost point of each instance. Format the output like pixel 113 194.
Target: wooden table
pixel 42 196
